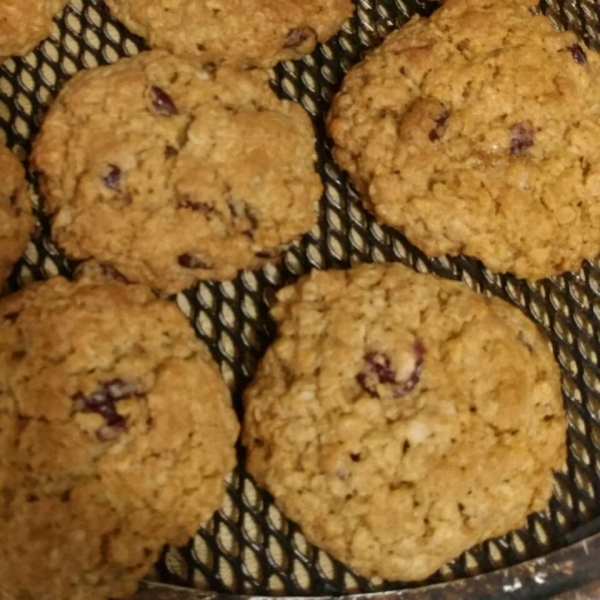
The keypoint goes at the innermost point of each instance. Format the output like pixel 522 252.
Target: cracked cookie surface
pixel 16 222
pixel 172 173
pixel 396 412
pixel 477 132
pixel 116 434
pixel 25 23
pixel 241 32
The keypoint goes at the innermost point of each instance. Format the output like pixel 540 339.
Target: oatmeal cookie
pixel 477 131
pixel 241 32
pixel 16 221
pixel 25 23
pixel 171 173
pixel 116 434
pixel 396 412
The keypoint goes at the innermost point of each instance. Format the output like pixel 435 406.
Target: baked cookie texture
pixel 477 131
pixel 25 23
pixel 16 221
pixel 116 434
pixel 240 32
pixel 172 173
pixel 395 413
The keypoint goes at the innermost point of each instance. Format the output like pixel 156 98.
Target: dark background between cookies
pixel 249 547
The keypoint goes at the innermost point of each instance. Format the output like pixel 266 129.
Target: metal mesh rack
pixel 249 547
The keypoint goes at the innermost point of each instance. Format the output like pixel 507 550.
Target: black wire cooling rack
pixel 249 547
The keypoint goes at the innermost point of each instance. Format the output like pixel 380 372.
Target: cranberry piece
pixel 113 179
pixel 162 102
pixel 440 126
pixel 170 152
pixel 521 138
pixel 578 54
pixel 104 402
pixel 193 261
pixel 404 387
pixel 297 37
pixel 378 371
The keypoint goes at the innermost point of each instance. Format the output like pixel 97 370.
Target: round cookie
pixel 172 173
pixel 240 32
pixel 16 222
pixel 116 434
pixel 476 132
pixel 396 412
pixel 25 23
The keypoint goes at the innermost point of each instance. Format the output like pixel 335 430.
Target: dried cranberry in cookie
pixel 183 172
pixel 116 435
pixel 476 132
pixel 104 402
pixel 395 411
pixel 379 378
pixel 578 54
pixel 522 137
pixel 162 102
pixel 240 32
pixel 112 179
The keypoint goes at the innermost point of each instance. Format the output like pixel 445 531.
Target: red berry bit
pixel 112 179
pixel 521 138
pixel 104 402
pixel 378 372
pixel 162 102
pixel 578 54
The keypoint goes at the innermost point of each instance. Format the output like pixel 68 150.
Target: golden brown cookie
pixel 477 132
pixel 25 23
pixel 116 434
pixel 396 412
pixel 241 32
pixel 16 222
pixel 171 172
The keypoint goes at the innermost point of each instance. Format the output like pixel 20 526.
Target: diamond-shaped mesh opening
pixel 249 547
